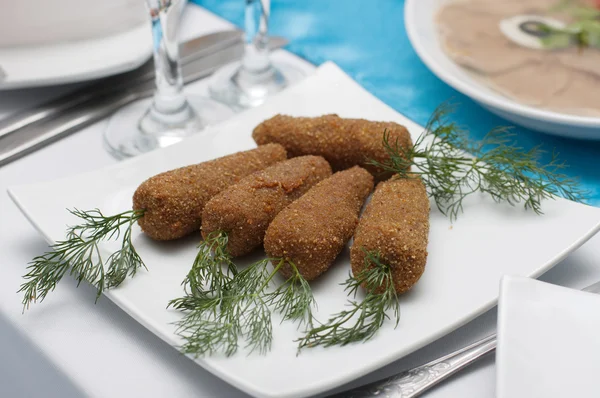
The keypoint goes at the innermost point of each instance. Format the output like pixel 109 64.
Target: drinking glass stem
pixel 169 106
pixel 249 83
pixel 256 60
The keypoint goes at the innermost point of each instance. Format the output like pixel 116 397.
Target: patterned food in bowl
pixel 537 52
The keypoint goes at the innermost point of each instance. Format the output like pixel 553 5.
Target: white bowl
pixel 420 25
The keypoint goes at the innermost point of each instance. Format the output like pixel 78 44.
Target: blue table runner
pixel 368 40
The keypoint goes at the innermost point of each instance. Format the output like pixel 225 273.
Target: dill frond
pixel 364 318
pixel 81 253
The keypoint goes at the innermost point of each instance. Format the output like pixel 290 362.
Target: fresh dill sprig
pixel 241 307
pixel 205 286
pixel 362 321
pixel 293 299
pixel 80 251
pixel 452 167
pixel 204 330
pixel 206 278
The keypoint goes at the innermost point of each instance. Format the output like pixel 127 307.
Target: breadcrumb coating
pixel 173 201
pixel 245 210
pixel 312 231
pixel 396 225
pixel 343 142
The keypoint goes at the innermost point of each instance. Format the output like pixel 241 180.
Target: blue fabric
pixel 368 40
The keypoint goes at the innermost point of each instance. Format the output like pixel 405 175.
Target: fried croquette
pixel 395 224
pixel 245 210
pixel 173 201
pixel 313 230
pixel 342 142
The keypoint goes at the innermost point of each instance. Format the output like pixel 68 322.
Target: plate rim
pixel 81 74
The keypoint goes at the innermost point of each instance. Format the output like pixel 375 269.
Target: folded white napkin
pixel 548 341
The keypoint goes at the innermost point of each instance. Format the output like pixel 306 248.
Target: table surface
pixel 71 347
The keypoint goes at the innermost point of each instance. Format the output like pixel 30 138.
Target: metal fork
pixel 414 382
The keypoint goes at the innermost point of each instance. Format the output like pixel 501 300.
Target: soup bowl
pixel 420 24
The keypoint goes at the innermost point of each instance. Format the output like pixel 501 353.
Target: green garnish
pixel 558 39
pixel 576 11
pixel 237 304
pixel 584 33
pixel 453 167
pixel 81 252
pixel 364 318
pixel 208 267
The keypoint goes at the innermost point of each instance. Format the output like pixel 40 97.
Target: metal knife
pixel 32 137
pixel 190 50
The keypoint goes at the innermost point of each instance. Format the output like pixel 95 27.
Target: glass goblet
pixel 250 82
pixel 169 116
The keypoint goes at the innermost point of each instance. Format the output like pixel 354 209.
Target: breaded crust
pixel 343 142
pixel 396 225
pixel 174 200
pixel 313 230
pixel 245 210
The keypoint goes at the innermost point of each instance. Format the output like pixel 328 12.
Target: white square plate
pixel 465 262
pixel 548 345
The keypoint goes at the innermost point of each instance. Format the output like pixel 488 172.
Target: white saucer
pixel 71 62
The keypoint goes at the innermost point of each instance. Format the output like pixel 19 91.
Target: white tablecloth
pixel 70 347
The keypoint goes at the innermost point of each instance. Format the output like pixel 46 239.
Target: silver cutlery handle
pixel 33 137
pixel 53 108
pixel 191 50
pixel 414 382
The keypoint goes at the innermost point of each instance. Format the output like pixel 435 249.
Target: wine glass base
pixel 239 90
pixel 133 130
